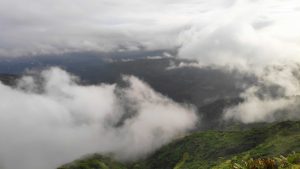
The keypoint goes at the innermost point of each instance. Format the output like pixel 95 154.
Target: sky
pixel 222 32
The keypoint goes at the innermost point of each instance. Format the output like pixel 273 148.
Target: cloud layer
pixel 49 119
pixel 47 26
pixel 214 32
pixel 245 34
pixel 274 98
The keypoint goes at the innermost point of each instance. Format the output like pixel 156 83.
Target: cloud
pixel 47 26
pixel 254 37
pixel 247 34
pixel 201 29
pixel 274 98
pixel 183 64
pixel 49 119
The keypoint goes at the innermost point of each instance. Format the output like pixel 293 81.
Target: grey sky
pixel 47 26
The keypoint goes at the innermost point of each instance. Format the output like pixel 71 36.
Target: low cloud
pixel 49 119
pixel 254 37
pixel 275 97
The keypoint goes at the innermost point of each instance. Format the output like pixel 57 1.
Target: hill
pixel 211 149
pixel 8 79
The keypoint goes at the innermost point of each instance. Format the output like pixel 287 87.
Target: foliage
pixel 280 162
pixel 95 161
pixel 181 163
pixel 264 147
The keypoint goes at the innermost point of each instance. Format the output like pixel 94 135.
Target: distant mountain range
pixel 209 89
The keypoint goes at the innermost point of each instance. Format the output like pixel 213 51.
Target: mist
pixel 49 119
pixel 252 37
pixel 275 97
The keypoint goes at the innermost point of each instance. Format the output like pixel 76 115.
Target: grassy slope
pixel 95 161
pixel 212 149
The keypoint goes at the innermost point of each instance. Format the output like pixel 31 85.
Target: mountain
pixel 210 90
pixel 215 149
pixel 189 84
pixel 8 79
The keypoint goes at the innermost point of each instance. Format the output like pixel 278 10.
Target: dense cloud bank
pixel 214 32
pixel 49 119
pixel 245 34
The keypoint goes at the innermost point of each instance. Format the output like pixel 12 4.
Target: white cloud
pixel 213 31
pixel 256 37
pixel 274 98
pixel 246 34
pixel 184 65
pixel 49 119
pixel 45 26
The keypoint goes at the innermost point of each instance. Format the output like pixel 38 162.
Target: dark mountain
pixel 209 89
pixel 8 79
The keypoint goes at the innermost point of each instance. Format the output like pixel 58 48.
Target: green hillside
pixel 215 149
pixel 95 161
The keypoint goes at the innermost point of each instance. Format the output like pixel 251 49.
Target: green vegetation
pixel 95 161
pixel 265 147
pixel 292 161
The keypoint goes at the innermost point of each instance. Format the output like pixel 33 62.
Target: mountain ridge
pixel 210 149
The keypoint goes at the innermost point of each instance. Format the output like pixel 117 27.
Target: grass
pixel 291 161
pixel 215 149
pixel 95 161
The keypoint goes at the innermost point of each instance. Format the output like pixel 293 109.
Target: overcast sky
pixel 209 28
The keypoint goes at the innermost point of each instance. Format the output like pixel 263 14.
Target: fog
pixel 275 97
pixel 49 119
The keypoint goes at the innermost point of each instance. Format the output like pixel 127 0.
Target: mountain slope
pixel 210 149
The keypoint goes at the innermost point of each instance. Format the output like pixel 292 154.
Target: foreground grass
pixel 291 161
